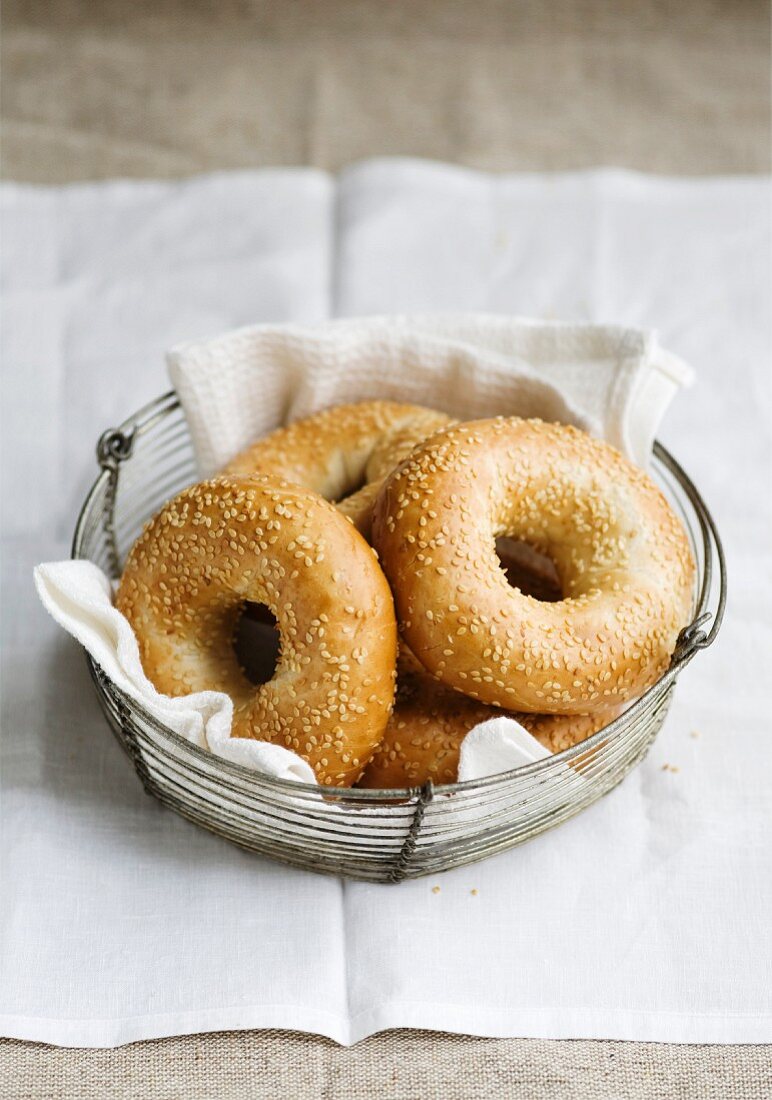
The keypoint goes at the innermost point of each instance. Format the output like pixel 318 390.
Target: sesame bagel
pixel 622 557
pixel 424 734
pixel 342 453
pixel 231 540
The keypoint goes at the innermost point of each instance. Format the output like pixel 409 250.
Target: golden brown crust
pixel 424 734
pixel 342 453
pixel 394 446
pixel 223 542
pixel 622 556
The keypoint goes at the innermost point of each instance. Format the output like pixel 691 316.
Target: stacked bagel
pixel 370 533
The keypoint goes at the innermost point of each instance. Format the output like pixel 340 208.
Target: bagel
pixel 621 555
pixel 424 734
pixel 342 453
pixel 230 540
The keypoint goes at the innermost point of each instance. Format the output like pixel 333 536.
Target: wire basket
pixel 379 836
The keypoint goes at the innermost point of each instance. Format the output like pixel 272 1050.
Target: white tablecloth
pixel 645 918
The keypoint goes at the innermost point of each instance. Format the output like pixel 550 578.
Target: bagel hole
pixel 350 488
pixel 257 642
pixel 529 570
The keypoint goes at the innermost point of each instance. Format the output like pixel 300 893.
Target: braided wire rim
pixel 116 445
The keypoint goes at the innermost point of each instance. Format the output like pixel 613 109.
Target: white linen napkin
pixel 492 746
pixel 646 917
pixel 614 382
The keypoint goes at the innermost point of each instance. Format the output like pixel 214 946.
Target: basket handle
pixel 115 445
pixel 693 638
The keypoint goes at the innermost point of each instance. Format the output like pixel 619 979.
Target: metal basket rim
pixel 693 638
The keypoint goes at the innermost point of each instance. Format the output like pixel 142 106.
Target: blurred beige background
pixel 96 88
pixel 100 88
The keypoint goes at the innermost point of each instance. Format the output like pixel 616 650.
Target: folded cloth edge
pixel 646 379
